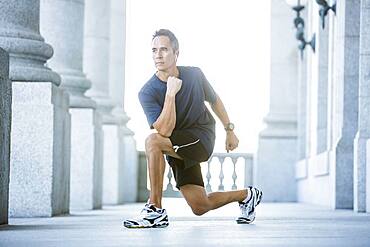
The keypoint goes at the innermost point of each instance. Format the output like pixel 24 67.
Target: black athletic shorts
pixel 188 147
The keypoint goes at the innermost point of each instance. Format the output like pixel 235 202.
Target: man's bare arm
pixel 167 119
pixel 232 140
pixel 219 109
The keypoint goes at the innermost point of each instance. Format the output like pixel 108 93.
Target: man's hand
pixel 231 141
pixel 173 85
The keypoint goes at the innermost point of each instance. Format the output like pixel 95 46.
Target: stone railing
pixel 223 171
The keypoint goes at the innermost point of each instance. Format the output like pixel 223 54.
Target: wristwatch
pixel 229 127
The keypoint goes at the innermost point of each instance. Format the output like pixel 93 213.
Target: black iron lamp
pixel 324 9
pixel 298 6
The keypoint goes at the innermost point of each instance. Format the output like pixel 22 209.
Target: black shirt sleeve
pixel 151 108
pixel 209 92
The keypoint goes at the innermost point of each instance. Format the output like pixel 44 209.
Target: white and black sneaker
pixel 150 217
pixel 247 208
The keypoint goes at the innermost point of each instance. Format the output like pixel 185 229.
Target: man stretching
pixel 173 102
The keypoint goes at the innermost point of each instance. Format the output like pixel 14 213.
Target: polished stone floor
pixel 277 224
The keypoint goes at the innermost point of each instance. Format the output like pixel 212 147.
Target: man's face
pixel 164 56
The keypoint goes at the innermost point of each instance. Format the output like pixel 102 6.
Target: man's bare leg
pixel 155 147
pixel 200 203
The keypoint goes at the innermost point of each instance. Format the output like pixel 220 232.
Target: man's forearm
pixel 167 119
pixel 219 109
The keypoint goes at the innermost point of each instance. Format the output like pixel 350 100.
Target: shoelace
pixel 147 209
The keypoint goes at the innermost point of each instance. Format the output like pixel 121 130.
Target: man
pixel 173 102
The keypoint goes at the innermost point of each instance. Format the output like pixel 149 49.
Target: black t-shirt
pixel 191 111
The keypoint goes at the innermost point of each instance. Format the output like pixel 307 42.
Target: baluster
pixel 234 159
pixel 169 185
pixel 221 186
pixel 248 164
pixel 208 186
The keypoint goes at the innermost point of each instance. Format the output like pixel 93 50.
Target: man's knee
pixel 199 208
pixel 152 142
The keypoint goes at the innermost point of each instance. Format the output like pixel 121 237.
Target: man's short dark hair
pixel 170 35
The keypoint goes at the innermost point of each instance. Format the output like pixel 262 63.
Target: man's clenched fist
pixel 173 85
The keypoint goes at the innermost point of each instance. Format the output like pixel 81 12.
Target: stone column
pixel 5 122
pixel 120 165
pixel 277 149
pixel 301 169
pixel 368 176
pixel 320 78
pixel 66 37
pixel 361 167
pixel 20 36
pixel 67 61
pixel 96 66
pixel 302 109
pixel 345 91
pixel 39 182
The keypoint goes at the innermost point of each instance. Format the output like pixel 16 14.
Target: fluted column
pixel 96 67
pixel 5 122
pixel 361 165
pixel 39 181
pixel 120 162
pixel 96 54
pixel 66 36
pixel 20 36
pixel 277 148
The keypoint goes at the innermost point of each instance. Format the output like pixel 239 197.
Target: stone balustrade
pixel 238 165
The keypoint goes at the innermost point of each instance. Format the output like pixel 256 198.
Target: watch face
pixel 230 126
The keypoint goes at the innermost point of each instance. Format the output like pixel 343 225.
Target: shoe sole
pixel 244 221
pixel 162 225
pixel 141 227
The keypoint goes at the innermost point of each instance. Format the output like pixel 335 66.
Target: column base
pixel 129 168
pixel 39 180
pixel 111 172
pixel 359 173
pixel 276 158
pixel 275 173
pixel 82 160
pixel 343 169
pixel 120 165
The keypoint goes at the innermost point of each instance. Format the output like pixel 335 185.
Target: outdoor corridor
pixel 70 125
pixel 277 224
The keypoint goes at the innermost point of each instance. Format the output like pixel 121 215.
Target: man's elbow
pixel 163 131
pixel 215 105
pixel 216 102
